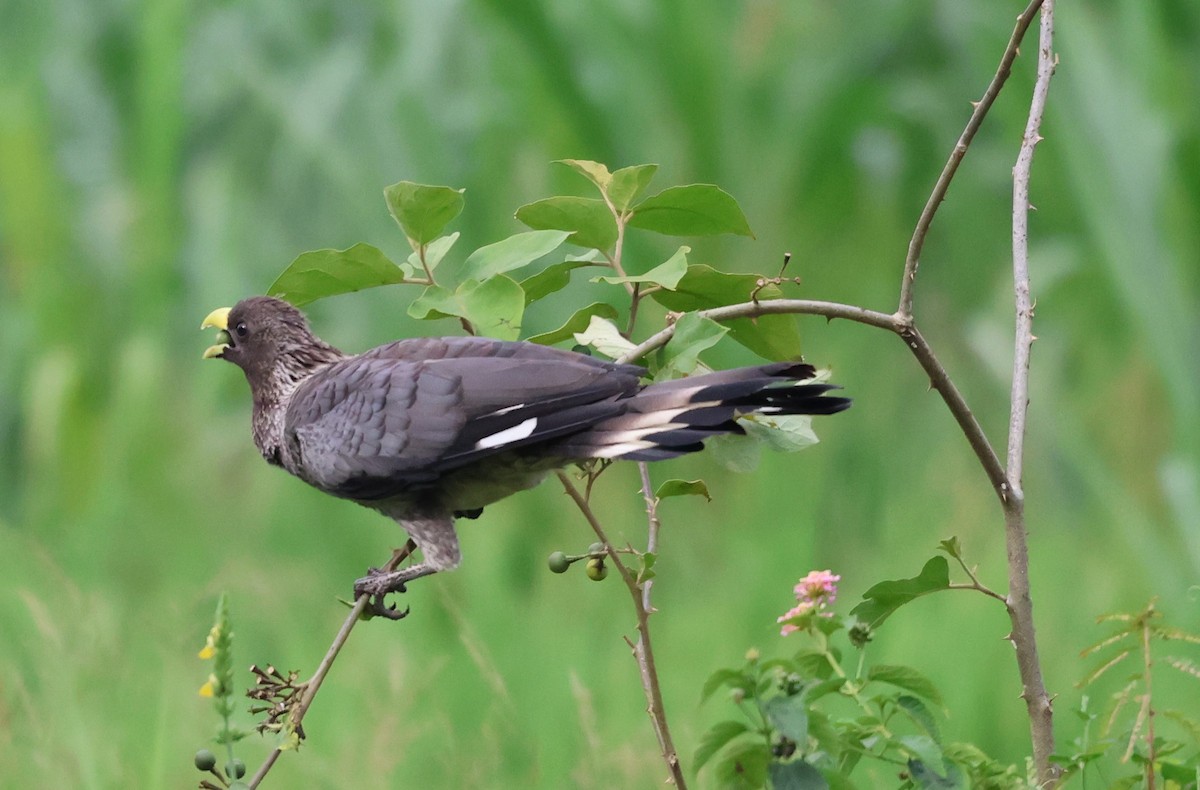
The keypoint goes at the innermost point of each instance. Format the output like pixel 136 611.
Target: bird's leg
pixel 438 542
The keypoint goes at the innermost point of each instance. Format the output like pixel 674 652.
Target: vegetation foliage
pixel 158 160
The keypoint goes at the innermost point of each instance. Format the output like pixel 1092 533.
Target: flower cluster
pixel 814 592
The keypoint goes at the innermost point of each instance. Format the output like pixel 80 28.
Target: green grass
pixel 157 160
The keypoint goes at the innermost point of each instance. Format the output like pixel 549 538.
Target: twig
pixel 1151 750
pixel 642 649
pixel 653 525
pixel 1020 602
pixel 770 307
pixel 956 156
pixel 313 685
pixel 939 379
pixel 975 583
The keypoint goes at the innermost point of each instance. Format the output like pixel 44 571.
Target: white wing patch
pixel 508 435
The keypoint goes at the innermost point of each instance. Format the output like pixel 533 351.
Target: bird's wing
pixel 404 414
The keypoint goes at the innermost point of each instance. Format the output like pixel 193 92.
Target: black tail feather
pixel 674 418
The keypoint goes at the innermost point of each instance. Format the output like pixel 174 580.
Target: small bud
pixel 205 760
pixel 860 633
pixel 753 655
pixel 558 562
pixel 597 571
pixel 737 695
pixel 236 769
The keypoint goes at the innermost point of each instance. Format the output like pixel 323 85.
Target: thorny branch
pixel 643 651
pixel 1005 481
pixel 912 261
pixel 1020 602
pixel 313 684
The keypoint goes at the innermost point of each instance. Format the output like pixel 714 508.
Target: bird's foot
pixel 377 584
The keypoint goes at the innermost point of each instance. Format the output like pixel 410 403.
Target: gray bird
pixel 430 429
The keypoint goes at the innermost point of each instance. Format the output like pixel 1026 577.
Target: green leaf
pixel 1183 775
pixel 434 252
pixel 603 335
pixel 435 301
pixel 951 547
pixel 551 279
pixel 494 307
pixel 886 597
pixel 736 453
pixel 646 571
pixel 715 739
pixel 744 767
pixel 575 324
pixel 589 220
pixel 693 336
pixel 824 688
pixel 703 287
pixel 518 250
pixel 422 211
pixel 667 274
pixel 320 273
pixel 923 749
pixel 725 677
pixel 920 714
pixel 692 210
pixel 786 433
pixel 796 775
pixel 683 488
pixel 628 183
pixel 789 715
pixel 593 171
pixel 908 679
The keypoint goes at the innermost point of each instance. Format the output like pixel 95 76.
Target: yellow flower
pixel 210 645
pixel 210 687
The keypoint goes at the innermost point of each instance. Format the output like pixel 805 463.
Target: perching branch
pixel 912 261
pixel 313 685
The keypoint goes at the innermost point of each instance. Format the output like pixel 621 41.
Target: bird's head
pixel 265 336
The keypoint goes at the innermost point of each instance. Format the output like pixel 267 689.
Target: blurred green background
pixel 161 158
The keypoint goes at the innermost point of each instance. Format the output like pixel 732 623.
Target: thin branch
pixel 770 307
pixel 956 156
pixel 976 587
pixel 1148 664
pixel 642 649
pixel 1020 601
pixel 1020 246
pixel 313 685
pixel 976 584
pixel 939 379
pixel 653 525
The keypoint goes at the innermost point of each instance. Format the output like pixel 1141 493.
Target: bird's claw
pixel 378 608
pixel 377 584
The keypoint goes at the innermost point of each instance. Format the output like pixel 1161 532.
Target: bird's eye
pixel 240 329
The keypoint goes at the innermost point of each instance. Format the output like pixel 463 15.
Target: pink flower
pixel 818 586
pixel 813 593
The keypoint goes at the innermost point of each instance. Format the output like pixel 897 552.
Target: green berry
pixel 596 548
pixel 205 760
pixel 596 569
pixel 558 562
pixel 236 769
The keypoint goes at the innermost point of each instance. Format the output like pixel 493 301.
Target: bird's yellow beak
pixel 219 319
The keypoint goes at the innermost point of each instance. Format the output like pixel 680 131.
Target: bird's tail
pixel 672 418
